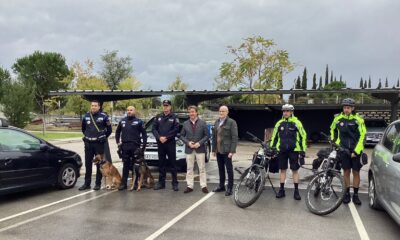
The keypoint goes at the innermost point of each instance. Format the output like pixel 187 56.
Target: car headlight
pixel 180 143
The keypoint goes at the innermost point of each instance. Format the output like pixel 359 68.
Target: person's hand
pixel 191 144
pixel 353 155
pixel 119 144
pixel 196 145
pixel 230 155
pixel 163 139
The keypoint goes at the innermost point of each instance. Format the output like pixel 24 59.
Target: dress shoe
pixel 346 198
pixel 175 188
pixel 159 186
pixel 97 188
pixel 84 187
pixel 356 200
pixel 219 189
pixel 228 192
pixel 296 195
pixel 204 190
pixel 188 190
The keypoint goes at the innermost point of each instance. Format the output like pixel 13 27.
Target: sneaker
pixel 281 193
pixel 159 186
pixel 356 200
pixel 346 198
pixel 84 187
pixel 188 190
pixel 296 195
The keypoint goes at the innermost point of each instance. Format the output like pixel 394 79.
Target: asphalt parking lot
pixel 71 214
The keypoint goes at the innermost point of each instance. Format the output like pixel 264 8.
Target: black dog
pixel 142 171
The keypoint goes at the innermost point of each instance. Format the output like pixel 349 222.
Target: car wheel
pixel 372 197
pixel 67 176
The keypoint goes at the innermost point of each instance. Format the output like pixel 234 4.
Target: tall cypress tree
pixel 320 83
pixel 326 75
pixel 331 76
pixel 386 83
pixel 314 81
pixel 379 84
pixel 365 84
pixel 369 82
pixel 361 83
pixel 341 80
pixel 398 83
pixel 298 83
pixel 304 79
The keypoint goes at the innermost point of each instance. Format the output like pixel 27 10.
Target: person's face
pixel 166 108
pixel 223 112
pixel 287 113
pixel 192 113
pixel 94 107
pixel 348 110
pixel 131 111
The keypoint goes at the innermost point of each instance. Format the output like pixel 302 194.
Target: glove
pixel 302 155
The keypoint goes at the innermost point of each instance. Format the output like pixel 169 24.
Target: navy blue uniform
pixel 131 133
pixel 167 126
pixel 95 139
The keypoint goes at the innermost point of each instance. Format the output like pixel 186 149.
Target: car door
pixel 393 176
pixel 21 160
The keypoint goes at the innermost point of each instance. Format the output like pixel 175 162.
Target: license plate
pixel 150 157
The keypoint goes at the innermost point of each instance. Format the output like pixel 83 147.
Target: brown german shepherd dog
pixel 110 173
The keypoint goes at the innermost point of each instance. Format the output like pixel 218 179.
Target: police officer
pixel 96 128
pixel 165 129
pixel 289 138
pixel 130 134
pixel 348 130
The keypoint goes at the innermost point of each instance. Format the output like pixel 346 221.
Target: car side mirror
pixel 43 147
pixel 396 157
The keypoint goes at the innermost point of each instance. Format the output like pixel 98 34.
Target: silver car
pixel 384 173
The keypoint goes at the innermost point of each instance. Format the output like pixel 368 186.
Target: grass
pixel 57 135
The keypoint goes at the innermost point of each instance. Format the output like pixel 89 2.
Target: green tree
pixel 361 83
pixel 386 83
pixel 365 84
pixel 5 77
pixel 314 81
pixel 298 83
pixel 256 63
pixel 369 82
pixel 398 83
pixel 304 79
pixel 320 86
pixel 331 77
pixel 379 84
pixel 326 75
pixel 115 69
pixel 178 101
pixel 130 83
pixel 17 103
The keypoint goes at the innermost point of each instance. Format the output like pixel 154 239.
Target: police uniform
pixel 289 138
pixel 168 126
pixel 96 129
pixel 349 132
pixel 130 131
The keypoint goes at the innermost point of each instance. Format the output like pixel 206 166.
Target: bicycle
pixel 252 181
pixel 326 190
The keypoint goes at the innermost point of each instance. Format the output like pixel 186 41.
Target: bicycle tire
pixel 309 194
pixel 260 185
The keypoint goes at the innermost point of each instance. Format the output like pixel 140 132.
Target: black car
pixel 27 162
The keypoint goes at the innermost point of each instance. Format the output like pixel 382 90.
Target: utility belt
pixel 100 139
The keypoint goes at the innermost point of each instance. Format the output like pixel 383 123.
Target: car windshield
pixel 375 123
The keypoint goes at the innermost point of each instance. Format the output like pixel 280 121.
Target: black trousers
pixel 128 153
pixel 223 161
pixel 167 157
pixel 91 149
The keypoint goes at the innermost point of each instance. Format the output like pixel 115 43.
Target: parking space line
pixel 53 212
pixel 357 220
pixel 179 217
pixel 44 206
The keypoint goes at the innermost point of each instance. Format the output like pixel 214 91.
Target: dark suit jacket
pixel 200 135
pixel 229 136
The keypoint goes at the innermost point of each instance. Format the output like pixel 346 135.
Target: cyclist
pixel 348 130
pixel 289 138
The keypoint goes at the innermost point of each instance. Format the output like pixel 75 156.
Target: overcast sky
pixel 189 37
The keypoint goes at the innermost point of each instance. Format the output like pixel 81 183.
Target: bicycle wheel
pixel 325 192
pixel 250 186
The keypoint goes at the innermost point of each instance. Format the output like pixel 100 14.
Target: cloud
pixel 189 37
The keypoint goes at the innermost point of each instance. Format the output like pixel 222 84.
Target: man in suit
pixel 225 138
pixel 195 135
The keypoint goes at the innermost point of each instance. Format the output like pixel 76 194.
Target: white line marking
pixel 357 220
pixel 179 217
pixel 53 212
pixel 44 206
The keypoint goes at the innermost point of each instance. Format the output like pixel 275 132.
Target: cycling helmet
pixel 287 107
pixel 348 102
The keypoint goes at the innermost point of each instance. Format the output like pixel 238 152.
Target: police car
pixel 28 162
pixel 151 153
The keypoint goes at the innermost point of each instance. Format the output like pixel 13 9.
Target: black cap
pixel 166 102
